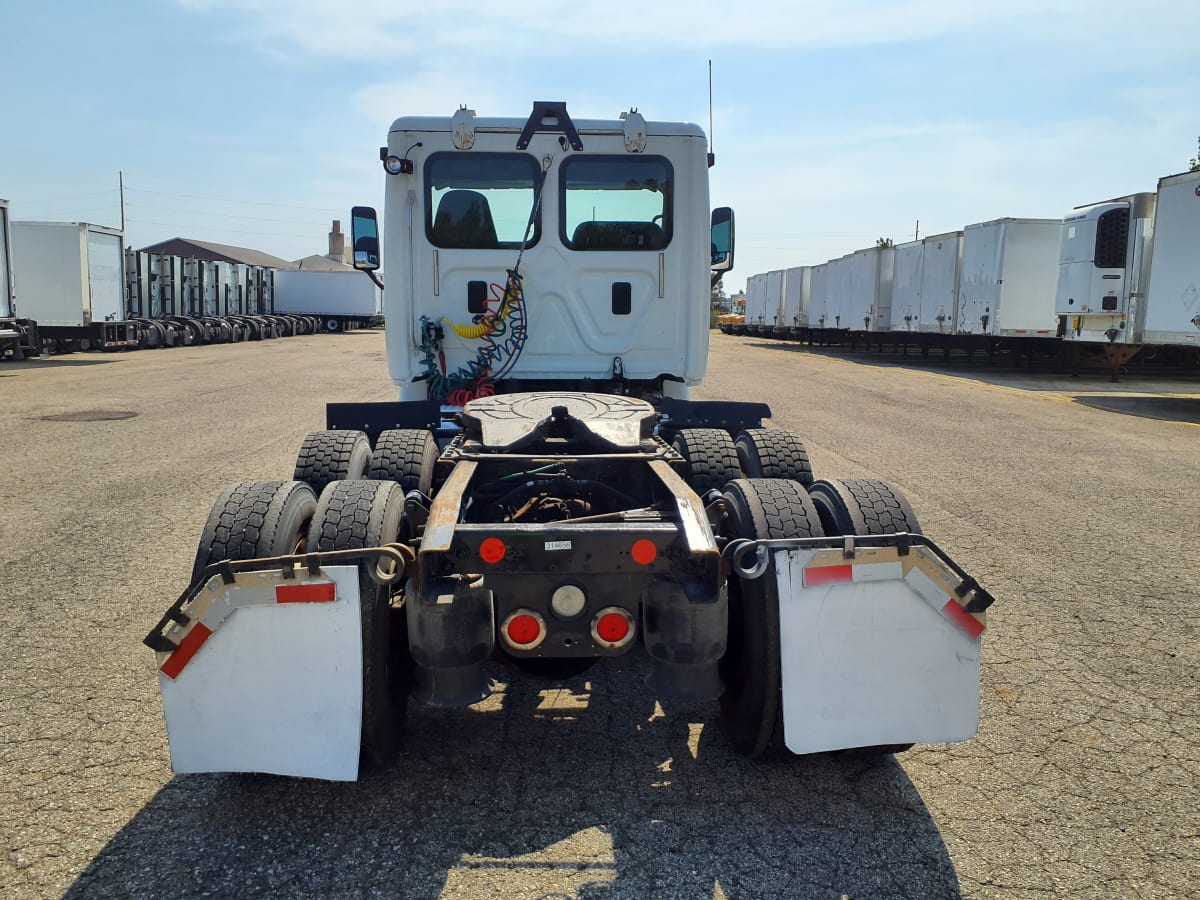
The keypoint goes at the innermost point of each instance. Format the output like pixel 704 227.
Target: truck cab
pixel 606 224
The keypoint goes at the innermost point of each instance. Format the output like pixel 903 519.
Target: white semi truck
pixel 544 492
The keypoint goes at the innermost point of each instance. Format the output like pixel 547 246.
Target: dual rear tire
pixel 751 708
pixel 260 519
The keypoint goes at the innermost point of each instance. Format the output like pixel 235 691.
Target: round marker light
pixel 568 601
pixel 612 628
pixel 644 552
pixel 524 629
pixel 394 165
pixel 492 550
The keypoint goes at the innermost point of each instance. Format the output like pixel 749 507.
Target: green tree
pixel 885 242
pixel 716 304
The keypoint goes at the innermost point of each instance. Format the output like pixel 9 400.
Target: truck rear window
pixel 615 203
pixel 480 201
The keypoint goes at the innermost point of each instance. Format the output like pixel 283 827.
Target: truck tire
pixel 862 507
pixel 255 519
pixel 333 325
pixel 349 516
pixel 710 457
pixel 751 706
pixel 405 456
pixel 327 456
pixel 764 453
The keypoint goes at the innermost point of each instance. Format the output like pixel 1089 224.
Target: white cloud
pixel 395 29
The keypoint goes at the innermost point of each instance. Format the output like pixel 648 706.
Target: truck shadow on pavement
pixel 584 788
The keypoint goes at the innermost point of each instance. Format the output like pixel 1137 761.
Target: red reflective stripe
pixel 185 651
pixel 305 593
pixel 955 613
pixel 815 575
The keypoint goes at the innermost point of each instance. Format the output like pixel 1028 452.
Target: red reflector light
pixel 523 629
pixel 612 627
pixel 644 552
pixel 492 550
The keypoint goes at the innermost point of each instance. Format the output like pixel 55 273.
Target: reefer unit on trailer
pixel 1172 313
pixel 941 269
pixel 339 299
pixel 1102 269
pixel 867 304
pixel 773 315
pixel 797 291
pixel 906 287
pixel 70 278
pixel 1009 269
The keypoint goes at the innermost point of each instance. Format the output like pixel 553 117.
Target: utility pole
pixel 121 181
pixel 917 233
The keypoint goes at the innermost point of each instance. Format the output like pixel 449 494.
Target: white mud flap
pixel 268 677
pixel 876 650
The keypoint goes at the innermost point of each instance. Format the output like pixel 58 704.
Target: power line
pixel 200 212
pixel 324 209
pixel 220 228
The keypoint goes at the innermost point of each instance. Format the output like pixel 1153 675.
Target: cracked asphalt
pixel 1082 782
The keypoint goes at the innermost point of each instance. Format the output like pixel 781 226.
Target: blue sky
pixel 256 122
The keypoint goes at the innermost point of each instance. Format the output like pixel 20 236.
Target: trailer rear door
pixel 105 276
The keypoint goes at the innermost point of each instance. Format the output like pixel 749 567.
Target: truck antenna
pixel 712 157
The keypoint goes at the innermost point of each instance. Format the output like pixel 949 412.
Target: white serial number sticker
pixel 558 545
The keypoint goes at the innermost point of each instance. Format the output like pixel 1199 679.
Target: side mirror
pixel 364 236
pixel 722 239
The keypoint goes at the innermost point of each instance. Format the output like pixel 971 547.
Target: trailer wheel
pixel 254 519
pixel 332 325
pixel 862 507
pixel 351 515
pixel 405 456
pixel 327 456
pixel 764 453
pixel 710 456
pixel 751 706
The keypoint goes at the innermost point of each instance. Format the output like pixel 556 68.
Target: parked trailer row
pixel 1119 275
pixel 78 288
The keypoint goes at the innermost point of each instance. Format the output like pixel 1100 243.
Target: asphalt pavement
pixel 1084 780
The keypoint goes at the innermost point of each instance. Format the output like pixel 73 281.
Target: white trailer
pixel 773 313
pixel 7 306
pixel 797 295
pixel 756 303
pixel 340 300
pixel 70 279
pixel 1172 313
pixel 867 301
pixel 941 270
pixel 837 289
pixel 906 286
pixel 1009 269
pixel 820 280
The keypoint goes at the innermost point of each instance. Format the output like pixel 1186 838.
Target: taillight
pixel 613 627
pixel 524 629
pixel 644 552
pixel 492 550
